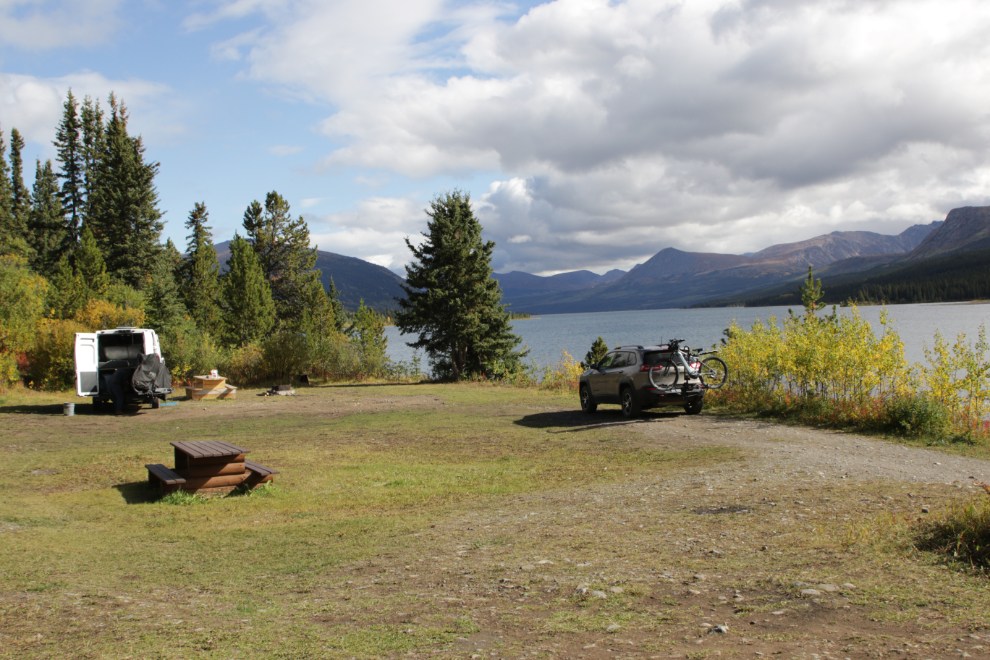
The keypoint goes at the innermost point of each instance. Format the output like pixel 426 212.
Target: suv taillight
pixel 647 367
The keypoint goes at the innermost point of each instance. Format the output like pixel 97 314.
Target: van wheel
pixel 156 403
pixel 694 407
pixel 630 407
pixel 588 404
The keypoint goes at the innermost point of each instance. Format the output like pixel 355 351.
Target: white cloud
pixel 310 202
pixel 33 105
pixel 624 127
pixel 43 25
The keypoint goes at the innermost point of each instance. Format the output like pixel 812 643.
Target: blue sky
pixel 590 133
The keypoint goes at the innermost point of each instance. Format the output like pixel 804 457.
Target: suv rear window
pixel 654 358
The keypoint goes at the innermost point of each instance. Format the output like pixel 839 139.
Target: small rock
pixel 617 590
pixel 599 594
pixel 925 509
pixel 721 630
pixel 778 613
pixel 810 593
pixel 583 587
pixel 527 567
pixel 699 577
pixel 830 588
pixel 544 561
pixel 694 592
pixel 706 625
pixel 738 598
pixel 848 585
pixel 799 584
pixel 612 627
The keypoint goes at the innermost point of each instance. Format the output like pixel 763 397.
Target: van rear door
pixel 87 365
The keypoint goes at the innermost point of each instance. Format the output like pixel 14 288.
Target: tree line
pixel 82 251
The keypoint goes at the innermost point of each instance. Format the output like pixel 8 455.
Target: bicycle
pixel 712 370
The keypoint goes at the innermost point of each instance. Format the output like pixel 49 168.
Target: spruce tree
pixel 47 233
pixel 164 311
pixel 67 293
pixel 126 219
pixel 71 159
pixel 90 266
pixel 249 312
pixel 20 198
pixel 200 271
pixel 282 246
pixel 451 301
pixel 91 121
pixel 598 350
pixel 7 228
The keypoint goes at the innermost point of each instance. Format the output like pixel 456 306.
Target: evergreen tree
pixel 125 217
pixel 67 293
pixel 200 271
pixel 47 233
pixel 598 350
pixel 8 244
pixel 451 301
pixel 20 198
pixel 90 266
pixel 91 118
pixel 811 293
pixel 249 312
pixel 164 311
pixel 72 162
pixel 282 246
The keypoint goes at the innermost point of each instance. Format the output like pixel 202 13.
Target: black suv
pixel 623 377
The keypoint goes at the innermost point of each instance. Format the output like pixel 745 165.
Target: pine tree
pixel 811 293
pixel 282 246
pixel 7 229
pixel 67 293
pixel 20 198
pixel 72 163
pixel 249 312
pixel 90 266
pixel 47 233
pixel 451 301
pixel 164 311
pixel 200 271
pixel 91 121
pixel 126 220
pixel 598 350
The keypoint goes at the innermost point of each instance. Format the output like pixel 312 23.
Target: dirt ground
pixel 794 549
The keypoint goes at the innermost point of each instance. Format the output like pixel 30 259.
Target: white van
pixel 99 354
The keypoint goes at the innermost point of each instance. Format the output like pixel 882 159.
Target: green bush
pixel 53 355
pixel 917 415
pixel 244 366
pixel 189 352
pixel 284 355
pixel 962 532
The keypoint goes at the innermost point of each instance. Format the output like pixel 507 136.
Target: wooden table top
pixel 208 448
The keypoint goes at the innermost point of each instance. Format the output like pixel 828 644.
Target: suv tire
pixel 588 404
pixel 630 406
pixel 694 407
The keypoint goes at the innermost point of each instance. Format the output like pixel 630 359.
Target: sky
pixel 590 134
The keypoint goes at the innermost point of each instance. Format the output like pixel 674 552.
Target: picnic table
pixel 211 387
pixel 208 466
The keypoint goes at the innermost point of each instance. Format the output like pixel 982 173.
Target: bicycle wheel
pixel 714 372
pixel 658 376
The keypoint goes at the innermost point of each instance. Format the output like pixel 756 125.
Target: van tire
pixel 156 403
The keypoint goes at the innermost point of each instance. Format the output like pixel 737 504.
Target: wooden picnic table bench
pixel 209 466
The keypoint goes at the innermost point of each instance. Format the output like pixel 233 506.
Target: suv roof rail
pixel 630 347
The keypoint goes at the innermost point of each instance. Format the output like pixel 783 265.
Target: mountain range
pixel 355 279
pixel 675 278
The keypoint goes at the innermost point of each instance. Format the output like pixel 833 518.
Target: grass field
pixel 434 521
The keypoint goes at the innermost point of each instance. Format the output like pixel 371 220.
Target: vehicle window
pixel 606 361
pixel 656 358
pixel 632 359
pixel 619 361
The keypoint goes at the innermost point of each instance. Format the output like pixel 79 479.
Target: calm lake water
pixel 546 336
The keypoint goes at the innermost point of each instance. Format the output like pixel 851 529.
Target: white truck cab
pixel 99 354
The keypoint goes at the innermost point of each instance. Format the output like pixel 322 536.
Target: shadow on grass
pixel 138 492
pixel 348 385
pixel 42 409
pixel 573 421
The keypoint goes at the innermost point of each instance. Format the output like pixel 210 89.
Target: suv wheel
pixel 588 404
pixel 694 407
pixel 630 407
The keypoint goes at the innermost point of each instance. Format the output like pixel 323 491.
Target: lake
pixel 546 336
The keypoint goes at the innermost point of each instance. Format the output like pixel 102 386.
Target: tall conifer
pixel 451 301
pixel 90 266
pixel 91 123
pixel 164 311
pixel 126 220
pixel 249 312
pixel 200 271
pixel 47 233
pixel 71 159
pixel 20 198
pixel 282 246
pixel 6 201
